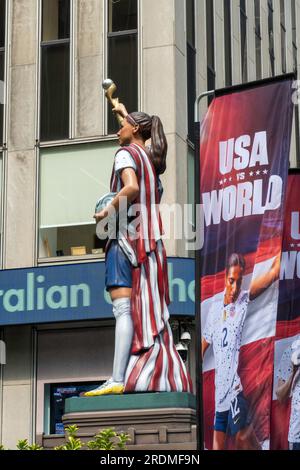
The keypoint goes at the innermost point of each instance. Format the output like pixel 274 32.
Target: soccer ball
pixel 102 232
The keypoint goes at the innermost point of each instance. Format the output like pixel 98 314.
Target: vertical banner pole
pixel 199 394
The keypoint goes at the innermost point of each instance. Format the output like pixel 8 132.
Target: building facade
pixel 57 142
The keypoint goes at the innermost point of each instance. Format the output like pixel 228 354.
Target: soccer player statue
pixel 145 357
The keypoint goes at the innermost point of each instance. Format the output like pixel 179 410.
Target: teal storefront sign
pixel 76 292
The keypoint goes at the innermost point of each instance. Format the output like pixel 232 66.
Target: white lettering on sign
pixel 290 265
pixel 239 154
pixel 242 200
pixel 38 297
pixel 295 225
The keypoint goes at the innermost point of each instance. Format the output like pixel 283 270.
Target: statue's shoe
pixel 108 388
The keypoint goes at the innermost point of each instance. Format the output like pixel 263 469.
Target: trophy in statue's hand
pixel 118 108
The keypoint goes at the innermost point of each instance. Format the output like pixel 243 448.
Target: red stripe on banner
pixel 287 328
pixel 280 425
pixel 214 284
pixel 209 407
pixel 257 382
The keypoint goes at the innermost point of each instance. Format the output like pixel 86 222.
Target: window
pixel 283 35
pixel 55 396
pixel 1 189
pixel 227 42
pixel 257 39
pixel 122 54
pixel 72 179
pixel 2 65
pixel 294 33
pixel 191 66
pixel 210 44
pixel 271 37
pixel 244 57
pixel 55 70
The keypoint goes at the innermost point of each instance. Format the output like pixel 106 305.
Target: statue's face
pixel 126 133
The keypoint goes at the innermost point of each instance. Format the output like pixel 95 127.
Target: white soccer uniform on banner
pixel 224 329
pixel 284 372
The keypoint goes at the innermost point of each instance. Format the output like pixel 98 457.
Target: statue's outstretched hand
pixel 120 109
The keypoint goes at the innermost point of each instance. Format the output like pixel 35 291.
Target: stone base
pixel 154 421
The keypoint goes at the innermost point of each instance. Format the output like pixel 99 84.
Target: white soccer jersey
pixel 123 159
pixel 223 330
pixel 284 372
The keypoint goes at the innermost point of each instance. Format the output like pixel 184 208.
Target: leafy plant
pixel 73 442
pixel 23 445
pixel 108 439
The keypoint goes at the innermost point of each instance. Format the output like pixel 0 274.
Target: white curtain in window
pixel 0 190
pixel 72 179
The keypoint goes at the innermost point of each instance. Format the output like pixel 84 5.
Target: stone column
pixel 19 224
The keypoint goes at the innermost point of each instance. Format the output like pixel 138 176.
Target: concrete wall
pixel 19 224
pixel 17 386
pixel 89 73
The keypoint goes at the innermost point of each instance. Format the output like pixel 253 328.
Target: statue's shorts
pixel 118 269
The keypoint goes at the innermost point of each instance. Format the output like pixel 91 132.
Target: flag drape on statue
pixel 244 155
pixel 285 423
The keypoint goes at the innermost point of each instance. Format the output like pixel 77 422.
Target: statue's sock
pixel 123 337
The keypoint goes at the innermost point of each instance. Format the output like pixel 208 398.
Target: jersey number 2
pixel 224 339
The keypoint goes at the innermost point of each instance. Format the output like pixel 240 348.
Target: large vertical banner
pixel 285 424
pixel 244 157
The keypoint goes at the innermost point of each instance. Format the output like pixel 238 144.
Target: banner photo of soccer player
pixel 244 158
pixel 285 423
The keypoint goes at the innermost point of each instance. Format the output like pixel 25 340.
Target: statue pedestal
pixel 154 421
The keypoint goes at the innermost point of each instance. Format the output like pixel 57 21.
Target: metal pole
pixel 199 394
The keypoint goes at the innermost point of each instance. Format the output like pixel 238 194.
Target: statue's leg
pixel 119 285
pixel 123 338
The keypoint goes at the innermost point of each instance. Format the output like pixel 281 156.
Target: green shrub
pixel 23 445
pixel 107 439
pixel 73 442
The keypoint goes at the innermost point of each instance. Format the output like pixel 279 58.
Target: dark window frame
pixel 271 36
pixel 294 36
pixel 191 58
pixel 227 42
pixel 120 34
pixel 210 48
pixel 283 36
pixel 244 38
pixel 52 44
pixel 3 54
pixel 258 39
